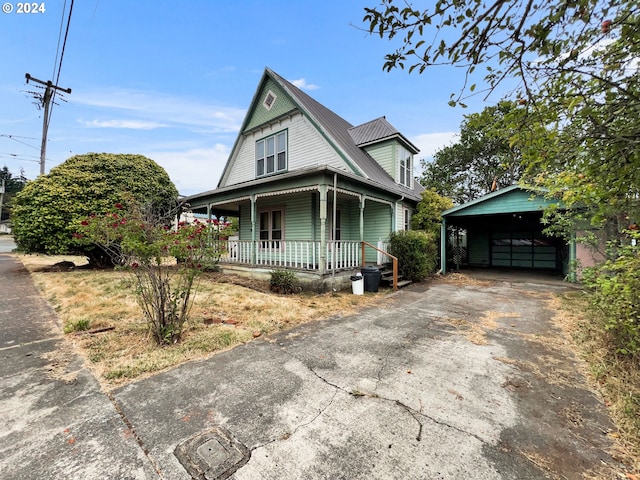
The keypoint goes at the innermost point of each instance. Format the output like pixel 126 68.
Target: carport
pixel 503 230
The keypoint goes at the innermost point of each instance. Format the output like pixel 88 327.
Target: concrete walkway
pixel 444 382
pixel 57 423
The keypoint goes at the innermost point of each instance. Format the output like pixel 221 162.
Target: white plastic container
pixel 357 286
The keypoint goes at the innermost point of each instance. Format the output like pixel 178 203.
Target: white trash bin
pixel 357 284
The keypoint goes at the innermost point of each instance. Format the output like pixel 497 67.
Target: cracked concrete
pixel 397 391
pixel 401 390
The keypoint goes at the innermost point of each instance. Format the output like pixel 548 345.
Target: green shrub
pixel 417 253
pixel 47 212
pixel 615 287
pixel 283 281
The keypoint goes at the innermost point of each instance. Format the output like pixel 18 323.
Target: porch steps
pixel 387 277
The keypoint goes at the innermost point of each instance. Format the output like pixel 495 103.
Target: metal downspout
pixel 443 246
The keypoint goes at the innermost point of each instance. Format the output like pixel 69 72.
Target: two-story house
pixel 309 188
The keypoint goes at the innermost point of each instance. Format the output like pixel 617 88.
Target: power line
pixel 15 139
pixel 55 61
pixel 64 43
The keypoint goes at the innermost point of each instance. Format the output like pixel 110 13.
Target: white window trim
pixel 281 240
pixel 403 156
pixel 406 219
pixel 276 170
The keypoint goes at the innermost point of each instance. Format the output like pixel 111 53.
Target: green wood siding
pixel 478 248
pixel 245 221
pixel 350 220
pixel 377 225
pixel 297 215
pixel 261 114
pixel 385 153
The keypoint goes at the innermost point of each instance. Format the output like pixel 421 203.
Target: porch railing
pixel 302 254
pixel 380 252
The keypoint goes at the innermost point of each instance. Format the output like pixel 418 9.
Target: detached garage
pixel 503 229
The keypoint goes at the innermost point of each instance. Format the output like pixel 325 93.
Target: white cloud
pixel 160 108
pixel 129 124
pixel 302 84
pixel 430 143
pixel 193 170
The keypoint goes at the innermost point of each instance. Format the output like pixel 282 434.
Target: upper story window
pixel 271 154
pixel 406 168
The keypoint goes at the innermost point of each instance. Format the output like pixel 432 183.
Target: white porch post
pixel 362 199
pixel 323 229
pixel 253 228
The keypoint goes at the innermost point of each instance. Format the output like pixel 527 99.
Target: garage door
pixel 523 249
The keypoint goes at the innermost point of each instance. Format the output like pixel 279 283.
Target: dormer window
pixel 406 168
pixel 269 100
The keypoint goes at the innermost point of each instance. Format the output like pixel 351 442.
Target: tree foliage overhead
pixel 49 210
pixel 482 158
pixel 12 185
pixel 577 66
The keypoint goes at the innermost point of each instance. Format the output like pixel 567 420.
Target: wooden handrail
pixel 395 262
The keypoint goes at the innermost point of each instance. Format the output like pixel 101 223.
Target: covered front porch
pixel 321 224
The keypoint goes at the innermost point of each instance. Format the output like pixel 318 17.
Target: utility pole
pixel 49 91
pixel 1 197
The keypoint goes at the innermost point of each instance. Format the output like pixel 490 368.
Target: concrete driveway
pixel 444 381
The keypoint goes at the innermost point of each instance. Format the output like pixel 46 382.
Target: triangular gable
pixel 512 199
pixel 333 128
pixel 289 99
pixel 281 105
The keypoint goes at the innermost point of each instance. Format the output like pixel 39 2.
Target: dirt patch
pixel 60 362
pixel 464 279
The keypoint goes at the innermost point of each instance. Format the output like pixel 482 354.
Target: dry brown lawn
pixel 101 317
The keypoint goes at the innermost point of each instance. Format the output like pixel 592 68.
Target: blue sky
pixel 173 80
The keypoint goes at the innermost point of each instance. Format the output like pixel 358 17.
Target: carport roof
pixel 512 199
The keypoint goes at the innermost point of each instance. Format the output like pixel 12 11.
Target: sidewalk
pixel 57 423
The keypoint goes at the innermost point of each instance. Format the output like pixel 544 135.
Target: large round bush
pixel 48 211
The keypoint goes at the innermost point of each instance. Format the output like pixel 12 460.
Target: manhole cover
pixel 212 455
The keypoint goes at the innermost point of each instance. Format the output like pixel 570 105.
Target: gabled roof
pixel 336 131
pixel 378 130
pixel 511 199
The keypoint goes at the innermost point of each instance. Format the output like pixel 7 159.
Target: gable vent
pixel 269 100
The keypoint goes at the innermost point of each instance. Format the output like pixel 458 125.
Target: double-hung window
pixel 406 171
pixel 271 154
pixel 271 229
